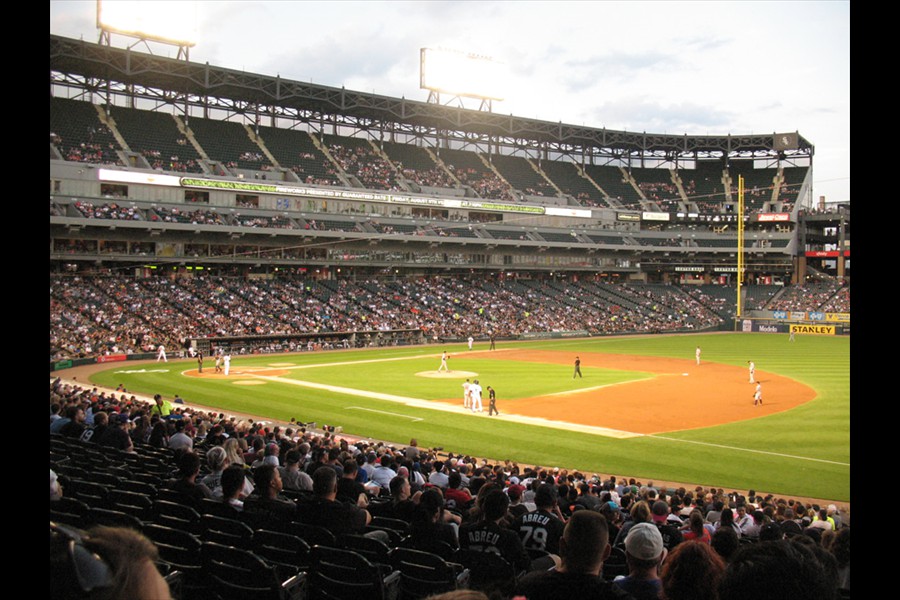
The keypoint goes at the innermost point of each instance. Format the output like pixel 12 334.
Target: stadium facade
pixel 157 163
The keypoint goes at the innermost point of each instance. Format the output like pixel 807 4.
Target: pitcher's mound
pixel 446 374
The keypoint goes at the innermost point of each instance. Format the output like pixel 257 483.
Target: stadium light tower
pixel 461 75
pixel 166 22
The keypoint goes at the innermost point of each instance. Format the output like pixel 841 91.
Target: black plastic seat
pixel 238 574
pixel 208 506
pixel 375 551
pixel 179 516
pixel 181 551
pixel 133 503
pixel 114 518
pixel 615 564
pixel 69 511
pixel 228 532
pixel 287 553
pixel 488 572
pixel 423 573
pixel 432 546
pixel 313 534
pixel 139 487
pixel 337 574
pixel 93 494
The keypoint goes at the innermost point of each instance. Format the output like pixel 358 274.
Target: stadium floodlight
pixel 167 21
pixel 461 74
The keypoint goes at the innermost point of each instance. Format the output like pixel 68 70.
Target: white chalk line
pixel 751 450
pixel 390 359
pixel 384 412
pixel 430 405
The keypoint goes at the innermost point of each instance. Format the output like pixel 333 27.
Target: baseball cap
pixel 644 541
pixel 660 510
pixel 515 491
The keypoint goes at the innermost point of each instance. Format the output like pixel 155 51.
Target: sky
pixel 701 68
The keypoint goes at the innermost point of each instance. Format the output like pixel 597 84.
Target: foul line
pixel 383 412
pixel 430 405
pixel 605 385
pixel 724 447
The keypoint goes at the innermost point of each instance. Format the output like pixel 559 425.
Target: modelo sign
pixel 768 328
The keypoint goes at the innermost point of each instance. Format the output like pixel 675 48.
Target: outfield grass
pixel 803 452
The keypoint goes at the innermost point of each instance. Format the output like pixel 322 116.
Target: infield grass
pixel 804 451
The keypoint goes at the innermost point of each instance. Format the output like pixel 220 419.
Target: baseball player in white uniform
pixel 475 390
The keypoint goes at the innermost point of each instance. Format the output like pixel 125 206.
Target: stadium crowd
pixel 372 171
pixel 270 476
pixel 115 313
pixel 811 296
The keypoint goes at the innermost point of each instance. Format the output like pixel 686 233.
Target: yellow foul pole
pixel 740 243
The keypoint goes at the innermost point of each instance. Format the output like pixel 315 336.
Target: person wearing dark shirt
pixel 671 534
pixel 74 426
pixel 403 501
pixel 349 489
pixel 488 535
pixel 542 528
pixel 583 548
pixel 186 482
pixel 266 502
pixel 428 523
pixel 326 511
pixel 114 435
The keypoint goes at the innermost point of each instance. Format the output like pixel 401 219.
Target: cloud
pixel 637 114
pixel 583 73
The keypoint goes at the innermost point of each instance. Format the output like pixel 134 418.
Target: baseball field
pixel 644 408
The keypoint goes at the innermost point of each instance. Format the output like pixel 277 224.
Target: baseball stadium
pixel 356 278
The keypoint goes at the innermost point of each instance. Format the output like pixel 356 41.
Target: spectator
pixel 781 570
pixel 693 572
pixel 583 548
pixel 104 563
pixel 644 552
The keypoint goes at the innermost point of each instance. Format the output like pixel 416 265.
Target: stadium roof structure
pixel 109 71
